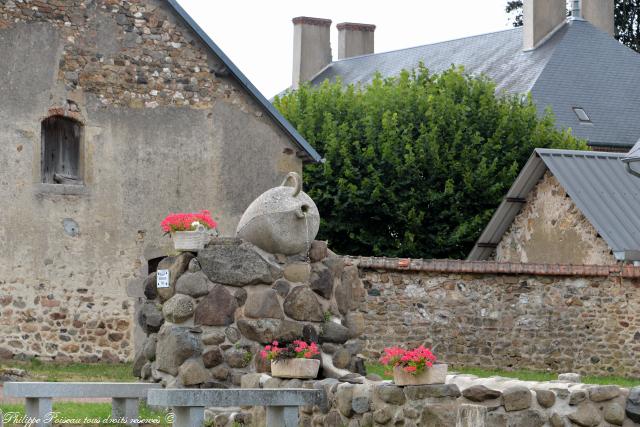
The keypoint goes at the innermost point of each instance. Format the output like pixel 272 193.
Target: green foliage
pixel 515 7
pixel 55 372
pixel 415 164
pixel 326 316
pixel 627 20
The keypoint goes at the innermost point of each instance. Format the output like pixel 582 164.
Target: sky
pixel 258 35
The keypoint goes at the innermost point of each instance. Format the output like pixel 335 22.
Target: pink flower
pixel 412 361
pixel 304 349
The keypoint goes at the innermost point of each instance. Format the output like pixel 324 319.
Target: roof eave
pixel 247 85
pixel 511 205
pixel 627 255
pixel 608 145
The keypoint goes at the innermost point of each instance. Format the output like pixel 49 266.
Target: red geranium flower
pixel 187 221
pixel 413 361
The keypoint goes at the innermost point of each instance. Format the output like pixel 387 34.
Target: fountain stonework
pixel 207 326
pixel 282 220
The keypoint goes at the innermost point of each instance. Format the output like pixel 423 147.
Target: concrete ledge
pixel 234 397
pixel 113 390
pixel 61 189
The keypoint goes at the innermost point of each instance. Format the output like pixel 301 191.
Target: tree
pixel 627 20
pixel 415 164
pixel 515 7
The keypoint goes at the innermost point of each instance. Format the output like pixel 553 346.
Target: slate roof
pixel 247 85
pixel 597 183
pixel 578 66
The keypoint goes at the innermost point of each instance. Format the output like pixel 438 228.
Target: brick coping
pixel 308 20
pixel 492 267
pixel 354 26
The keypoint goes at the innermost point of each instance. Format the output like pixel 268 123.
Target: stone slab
pixel 234 397
pixel 49 389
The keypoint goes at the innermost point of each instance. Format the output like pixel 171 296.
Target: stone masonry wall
pixel 128 53
pixel 551 229
pixel 463 401
pixel 166 128
pixel 500 315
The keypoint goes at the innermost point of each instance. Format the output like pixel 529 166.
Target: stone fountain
pixel 205 328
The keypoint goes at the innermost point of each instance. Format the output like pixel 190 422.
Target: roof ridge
pixel 424 45
pixel 584 153
pixel 245 83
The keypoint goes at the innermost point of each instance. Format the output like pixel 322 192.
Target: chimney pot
pixel 600 13
pixel 311 47
pixel 541 18
pixel 355 39
pixel 576 9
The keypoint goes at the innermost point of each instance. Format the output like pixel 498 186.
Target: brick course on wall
pixel 504 315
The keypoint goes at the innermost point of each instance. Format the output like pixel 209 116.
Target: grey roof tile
pixel 579 66
pixel 499 55
pixel 591 70
pixel 598 183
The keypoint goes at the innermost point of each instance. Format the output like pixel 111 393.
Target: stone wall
pixel 464 401
pixel 131 53
pixel 207 328
pixel 166 128
pixel 551 229
pixel 501 315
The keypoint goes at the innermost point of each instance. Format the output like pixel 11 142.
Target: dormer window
pixel 583 117
pixel 61 137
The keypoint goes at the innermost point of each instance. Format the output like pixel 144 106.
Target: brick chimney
pixel 541 18
pixel 311 47
pixel 354 39
pixel 600 13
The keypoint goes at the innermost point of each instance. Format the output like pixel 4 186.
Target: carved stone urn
pixel 282 220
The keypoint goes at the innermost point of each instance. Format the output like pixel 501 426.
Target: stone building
pixel 114 113
pixel 572 66
pixel 567 207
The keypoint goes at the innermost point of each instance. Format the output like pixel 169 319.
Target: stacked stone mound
pixel 225 302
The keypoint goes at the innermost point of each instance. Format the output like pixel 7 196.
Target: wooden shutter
pixel 61 151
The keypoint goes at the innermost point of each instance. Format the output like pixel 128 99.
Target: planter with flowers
pixel 292 360
pixel 414 367
pixel 189 231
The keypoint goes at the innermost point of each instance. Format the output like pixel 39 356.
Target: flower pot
pixel 295 368
pixel 190 240
pixel 436 374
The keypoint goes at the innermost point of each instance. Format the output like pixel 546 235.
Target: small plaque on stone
pixel 162 279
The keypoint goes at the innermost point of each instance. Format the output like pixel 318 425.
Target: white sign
pixel 162 279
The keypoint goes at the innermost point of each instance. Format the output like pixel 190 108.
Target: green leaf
pixel 415 164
